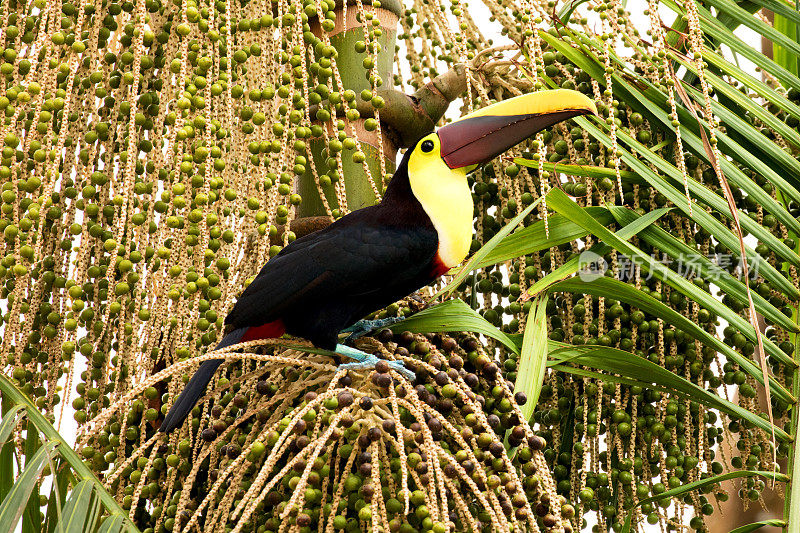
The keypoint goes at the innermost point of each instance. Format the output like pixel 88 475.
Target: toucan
pixel 323 283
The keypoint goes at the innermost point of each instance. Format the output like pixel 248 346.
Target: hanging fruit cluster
pixel 290 443
pixel 155 153
pixel 614 444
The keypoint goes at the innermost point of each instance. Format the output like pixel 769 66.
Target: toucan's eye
pixel 427 145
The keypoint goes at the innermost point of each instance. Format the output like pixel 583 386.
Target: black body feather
pixel 328 280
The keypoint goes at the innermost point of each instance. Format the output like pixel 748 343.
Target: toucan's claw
pixel 364 327
pixel 352 353
pixel 365 361
pixel 360 365
pixel 400 367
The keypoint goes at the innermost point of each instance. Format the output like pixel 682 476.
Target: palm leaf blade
pixel 533 357
pixel 13 504
pixel 640 371
pixel 453 315
pixel 76 510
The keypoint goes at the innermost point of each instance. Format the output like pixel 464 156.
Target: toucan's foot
pixel 363 327
pixel 366 361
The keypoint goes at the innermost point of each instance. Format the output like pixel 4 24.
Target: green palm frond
pixel 77 495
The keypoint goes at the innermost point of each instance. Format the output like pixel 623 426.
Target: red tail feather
pixel 270 330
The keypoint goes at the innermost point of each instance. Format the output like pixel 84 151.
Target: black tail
pixel 193 391
pixel 197 385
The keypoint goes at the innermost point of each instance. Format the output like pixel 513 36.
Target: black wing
pixel 352 257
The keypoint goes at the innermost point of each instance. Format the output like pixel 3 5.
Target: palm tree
pixel 629 306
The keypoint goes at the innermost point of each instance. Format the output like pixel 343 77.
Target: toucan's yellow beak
pixel 483 135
